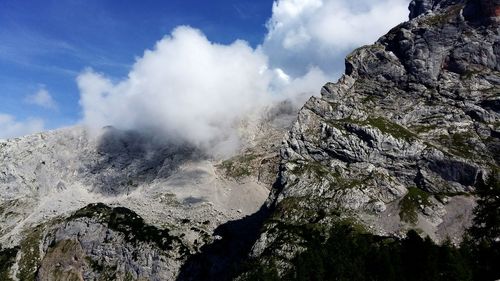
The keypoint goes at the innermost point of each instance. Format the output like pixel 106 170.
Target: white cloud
pixel 42 98
pixel 190 89
pixel 186 88
pixel 10 127
pixel 301 88
pixel 319 33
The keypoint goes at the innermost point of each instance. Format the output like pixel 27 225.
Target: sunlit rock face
pixel 401 140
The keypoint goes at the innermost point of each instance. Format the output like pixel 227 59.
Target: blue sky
pixel 54 55
pixel 46 44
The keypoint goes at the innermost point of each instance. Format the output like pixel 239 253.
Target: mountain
pixel 122 205
pixel 400 142
pixel 376 179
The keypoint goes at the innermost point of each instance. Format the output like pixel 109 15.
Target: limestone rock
pixel 414 119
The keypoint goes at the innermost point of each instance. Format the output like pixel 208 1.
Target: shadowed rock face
pixel 490 8
pixel 420 7
pixel 126 159
pixel 415 113
pixel 494 7
pixel 487 10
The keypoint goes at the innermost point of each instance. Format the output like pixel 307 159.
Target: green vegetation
pixel 442 18
pixel 483 240
pixel 346 253
pixel 371 99
pixel 296 207
pixel 374 47
pixel 109 273
pixel 263 273
pixel 410 204
pixel 30 254
pixel 238 167
pixel 95 265
pixel 423 128
pixel 336 180
pixel 384 125
pixel 7 259
pixel 314 169
pixel 129 223
pixel 129 276
pixel 390 128
pixel 311 168
pixel 469 74
pixel 369 257
pixel 458 144
pixel 346 183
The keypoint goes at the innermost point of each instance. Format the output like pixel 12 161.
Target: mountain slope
pixel 400 141
pixel 123 205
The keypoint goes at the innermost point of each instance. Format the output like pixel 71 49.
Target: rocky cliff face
pixel 400 141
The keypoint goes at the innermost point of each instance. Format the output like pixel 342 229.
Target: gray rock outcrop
pixel 400 141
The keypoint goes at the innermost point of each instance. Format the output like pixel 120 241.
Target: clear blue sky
pixel 46 44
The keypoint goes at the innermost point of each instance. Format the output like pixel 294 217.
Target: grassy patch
pixel 295 206
pixel 390 128
pixel 458 144
pixel 346 183
pixel 336 180
pixel 30 254
pixel 411 203
pixel 423 128
pixel 469 74
pixel 444 17
pixel 311 168
pixel 238 167
pixel 384 125
pixel 129 223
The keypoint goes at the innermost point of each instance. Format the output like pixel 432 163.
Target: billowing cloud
pixel 190 89
pixel 10 127
pixel 42 98
pixel 186 88
pixel 319 33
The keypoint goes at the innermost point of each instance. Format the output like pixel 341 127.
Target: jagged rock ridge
pixel 400 141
